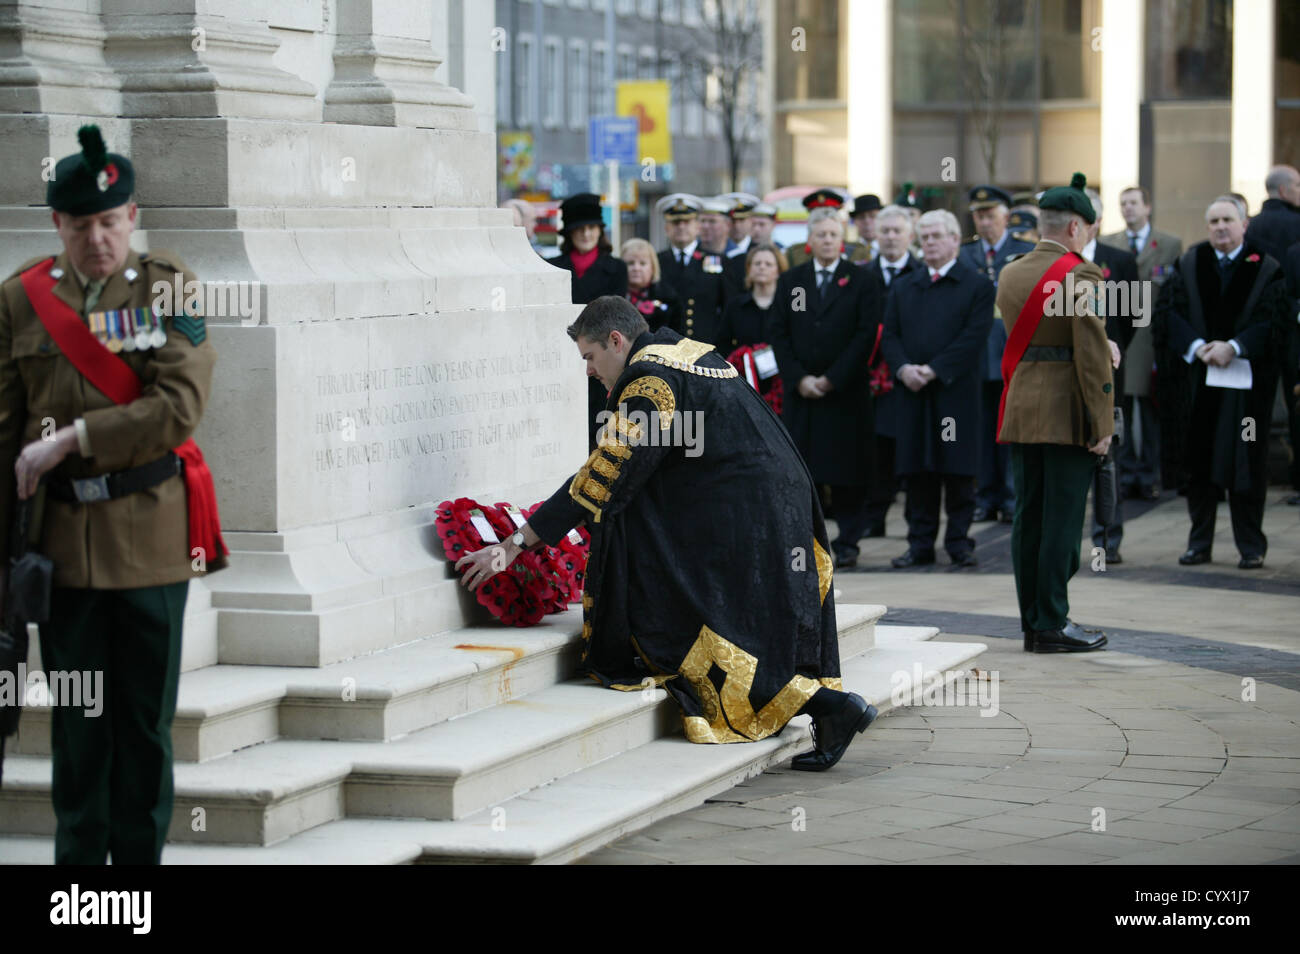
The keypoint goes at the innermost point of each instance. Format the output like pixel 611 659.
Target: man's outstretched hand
pixel 486 563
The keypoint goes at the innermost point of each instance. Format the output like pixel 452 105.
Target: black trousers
pixel 1140 470
pixel 996 488
pixel 1107 537
pixel 1290 375
pixel 1247 514
pixel 884 486
pixel 850 503
pixel 922 511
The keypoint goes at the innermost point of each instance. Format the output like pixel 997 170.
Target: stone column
pixel 386 338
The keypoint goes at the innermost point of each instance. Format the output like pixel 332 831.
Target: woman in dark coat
pixel 586 253
pixel 745 319
pixel 657 301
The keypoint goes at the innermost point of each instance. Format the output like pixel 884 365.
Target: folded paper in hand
pixel 1236 375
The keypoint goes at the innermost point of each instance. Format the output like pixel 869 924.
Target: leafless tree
pixel 986 47
pixel 728 58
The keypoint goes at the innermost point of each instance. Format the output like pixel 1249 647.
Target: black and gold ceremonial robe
pixel 709 570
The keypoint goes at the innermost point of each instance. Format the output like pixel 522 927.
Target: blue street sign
pixel 613 137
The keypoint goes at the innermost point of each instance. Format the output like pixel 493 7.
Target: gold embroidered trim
pixel 656 680
pixel 825 569
pixel 605 468
pixel 597 491
pixel 587 602
pixel 616 449
pixel 658 392
pixel 683 356
pixel 729 716
pixel 832 682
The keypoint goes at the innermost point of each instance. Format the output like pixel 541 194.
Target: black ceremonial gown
pixel 709 574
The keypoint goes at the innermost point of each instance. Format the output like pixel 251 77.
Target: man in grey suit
pixel 1139 455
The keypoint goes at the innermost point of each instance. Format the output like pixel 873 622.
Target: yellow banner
pixel 647 100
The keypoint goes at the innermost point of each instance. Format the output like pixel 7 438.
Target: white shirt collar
pixel 985 246
pixel 826 268
pixel 1230 255
pixel 1141 234
pixel 1090 251
pixel 943 269
pixel 897 263
pixel 688 251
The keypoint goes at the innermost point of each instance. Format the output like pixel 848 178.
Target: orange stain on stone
pixel 504 689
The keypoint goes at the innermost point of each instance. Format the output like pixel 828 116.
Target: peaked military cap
pixel 1024 198
pixel 1070 198
pixel 581 209
pixel 1021 221
pixel 716 206
pixel 92 180
pixel 742 204
pixel 678 205
pixel 987 196
pixel 764 208
pixel 866 203
pixel 823 199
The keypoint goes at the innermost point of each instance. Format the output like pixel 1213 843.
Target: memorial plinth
pixel 387 339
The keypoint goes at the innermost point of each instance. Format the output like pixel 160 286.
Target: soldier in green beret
pixel 1056 412
pixel 101 386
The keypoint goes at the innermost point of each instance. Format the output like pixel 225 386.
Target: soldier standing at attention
pixel 1056 412
pixel 100 391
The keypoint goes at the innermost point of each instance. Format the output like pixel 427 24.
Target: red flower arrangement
pixel 517 596
pixel 771 389
pixel 567 562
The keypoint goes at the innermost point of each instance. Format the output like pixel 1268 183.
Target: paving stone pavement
pixel 1154 751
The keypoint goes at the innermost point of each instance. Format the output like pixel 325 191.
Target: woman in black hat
pixel 586 251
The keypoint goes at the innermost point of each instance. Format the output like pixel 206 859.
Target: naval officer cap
pixel 1070 198
pixel 678 205
pixel 988 196
pixel 716 206
pixel 742 204
pixel 765 209
pixel 93 180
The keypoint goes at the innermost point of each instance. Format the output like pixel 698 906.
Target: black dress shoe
pixel 1193 557
pixel 912 558
pixel 833 733
pixel 1150 493
pixel 1251 563
pixel 1112 556
pixel 1072 638
pixel 846 561
pixel 1293 500
pixel 877 531
pixel 982 515
pixel 965 559
pixel 1007 516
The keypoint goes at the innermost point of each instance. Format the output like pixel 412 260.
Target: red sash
pixel 1027 324
pixel 114 377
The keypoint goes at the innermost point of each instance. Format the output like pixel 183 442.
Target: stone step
pixel 618 795
pixel 266 793
pixel 384 695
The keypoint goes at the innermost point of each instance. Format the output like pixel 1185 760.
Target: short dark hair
pixel 605 314
pixel 1146 196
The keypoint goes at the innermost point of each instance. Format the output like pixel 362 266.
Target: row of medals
pixel 127 329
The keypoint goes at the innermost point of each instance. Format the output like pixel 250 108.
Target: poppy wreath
pixel 515 596
pixel 568 563
pixel 771 390
pixel 537 569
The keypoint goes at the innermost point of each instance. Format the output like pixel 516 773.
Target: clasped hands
pixel 1217 353
pixel 811 386
pixel 916 376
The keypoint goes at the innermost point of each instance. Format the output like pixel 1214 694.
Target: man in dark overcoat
pixel 936 323
pixel 824 320
pixel 1226 300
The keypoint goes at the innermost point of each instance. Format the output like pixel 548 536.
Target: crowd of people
pixel 890 347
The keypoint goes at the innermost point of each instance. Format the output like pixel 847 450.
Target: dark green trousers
pixel 113 771
pixel 1052 482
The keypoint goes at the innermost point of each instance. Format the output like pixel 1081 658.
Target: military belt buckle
pixel 91 489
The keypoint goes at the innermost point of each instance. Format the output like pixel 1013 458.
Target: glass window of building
pixel 599 84
pixel 626 62
pixel 813 71
pixel 673 73
pixel 694 92
pixel 625 8
pixel 554 80
pixel 504 80
pixel 649 9
pixel 670 10
pixel 1286 129
pixel 691 12
pixel 1189 49
pixel 524 54
pixel 649 63
pixel 577 85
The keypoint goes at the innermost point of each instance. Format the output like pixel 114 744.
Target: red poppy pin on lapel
pixel 1105 271
pixel 843 281
pixel 1252 257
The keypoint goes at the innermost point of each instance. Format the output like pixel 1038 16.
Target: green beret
pixel 1070 198
pixel 92 180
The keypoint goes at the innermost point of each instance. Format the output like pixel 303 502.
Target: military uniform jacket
pixel 141 539
pixel 701 285
pixel 1154 263
pixel 972 254
pixel 831 337
pixel 943 324
pixel 1056 401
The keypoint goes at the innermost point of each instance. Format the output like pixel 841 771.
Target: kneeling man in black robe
pixel 710 571
pixel 1224 309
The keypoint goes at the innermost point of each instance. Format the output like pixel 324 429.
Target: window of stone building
pixel 600 89
pixel 524 53
pixel 670 11
pixel 625 8
pixel 505 80
pixel 577 85
pixel 691 12
pixel 673 73
pixel 1189 49
pixel 1286 129
pixel 649 62
pixel 649 9
pixel 808 61
pixel 625 62
pixel 553 78
pixel 694 92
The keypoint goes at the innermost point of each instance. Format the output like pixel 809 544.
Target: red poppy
pixel 843 281
pixel 1252 257
pixel 1105 271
